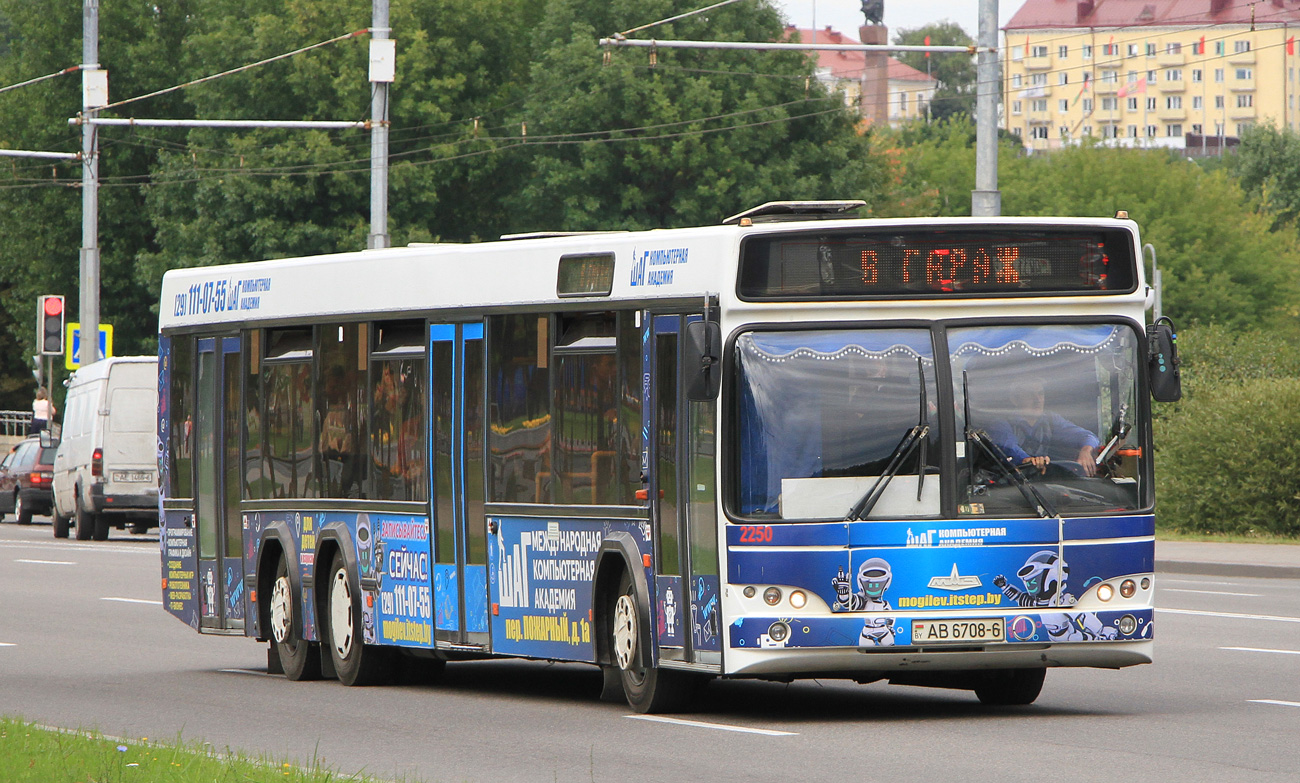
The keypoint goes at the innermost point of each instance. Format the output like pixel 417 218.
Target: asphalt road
pixel 85 643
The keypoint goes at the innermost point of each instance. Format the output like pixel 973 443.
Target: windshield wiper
pixel 917 436
pixel 1008 468
pixel 1118 432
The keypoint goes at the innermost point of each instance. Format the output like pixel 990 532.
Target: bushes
pixel 1228 456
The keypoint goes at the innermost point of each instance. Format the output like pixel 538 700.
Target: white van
pixel 106 468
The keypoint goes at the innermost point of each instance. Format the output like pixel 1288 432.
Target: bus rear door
pixel 216 456
pixel 460 585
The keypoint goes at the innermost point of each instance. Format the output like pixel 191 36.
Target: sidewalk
pixel 1277 561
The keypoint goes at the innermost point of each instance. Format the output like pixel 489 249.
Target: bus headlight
pixel 778 631
pixel 772 596
pixel 798 599
pixel 1127 588
pixel 1128 624
pixel 1105 592
pixel 749 591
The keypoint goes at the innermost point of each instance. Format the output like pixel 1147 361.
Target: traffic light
pixel 49 325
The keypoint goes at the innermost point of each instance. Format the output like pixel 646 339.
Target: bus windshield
pixel 824 419
pixel 822 416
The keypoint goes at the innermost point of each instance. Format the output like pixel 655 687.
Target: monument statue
pixel 874 10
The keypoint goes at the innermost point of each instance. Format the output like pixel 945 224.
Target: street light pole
pixel 986 199
pixel 382 70
pixel 94 89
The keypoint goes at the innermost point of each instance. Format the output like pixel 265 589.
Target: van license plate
pixel 133 475
pixel 983 630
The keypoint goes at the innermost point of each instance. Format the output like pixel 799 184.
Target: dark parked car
pixel 26 480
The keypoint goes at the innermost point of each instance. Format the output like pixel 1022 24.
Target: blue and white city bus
pixel 796 444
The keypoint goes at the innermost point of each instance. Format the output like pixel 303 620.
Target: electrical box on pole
pixel 49 324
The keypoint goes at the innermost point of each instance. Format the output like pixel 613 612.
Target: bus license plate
pixel 975 630
pixel 133 475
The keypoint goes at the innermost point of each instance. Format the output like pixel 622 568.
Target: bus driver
pixel 1034 436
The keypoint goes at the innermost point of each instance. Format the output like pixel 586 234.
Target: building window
pixel 1110 77
pixel 1151 131
pixel 1063 131
pixel 1151 104
pixel 1015 107
pixel 1240 46
pixel 1109 104
pixel 1219 47
pixel 1087 105
pixel 1244 127
pixel 1062 52
pixel 1218 129
pixel 1196 128
pixel 1218 74
pixel 1245 101
pixel 1218 101
pixel 1151 77
pixel 902 103
pixel 1017 53
pixel 1063 78
pixel 1198 102
pixel 1038 132
pixel 1173 48
pixel 1087 130
pixel 1174 75
pixel 1110 50
pixel 1198 47
pixel 1151 50
pixel 1174 130
pixel 1198 75
pixel 1109 131
pixel 1132 50
pixel 1063 105
pixel 1174 102
pixel 1038 105
pixel 1038 51
pixel 1038 79
pixel 1017 80
pixel 1087 51
pixel 1016 131
pixel 1132 104
pixel 1245 73
pixel 1133 131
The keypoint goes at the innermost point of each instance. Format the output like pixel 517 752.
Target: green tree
pixel 954 71
pixel 1267 163
pixel 688 140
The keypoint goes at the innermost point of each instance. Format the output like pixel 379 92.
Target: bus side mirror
pixel 703 360
pixel 1162 362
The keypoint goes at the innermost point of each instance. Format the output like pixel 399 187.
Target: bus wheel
pixel 61 525
pixel 299 657
pixel 356 662
pixel 1010 687
pixel 648 689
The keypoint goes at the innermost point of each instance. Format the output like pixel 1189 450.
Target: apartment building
pixel 1148 72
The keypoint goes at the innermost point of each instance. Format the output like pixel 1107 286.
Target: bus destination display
pixel 1008 260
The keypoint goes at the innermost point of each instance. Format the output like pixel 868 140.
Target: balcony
pixel 1241 58
pixel 1038 63
pixel 1166 114
pixel 1241 113
pixel 1242 85
pixel 1177 85
pixel 1105 88
pixel 1166 59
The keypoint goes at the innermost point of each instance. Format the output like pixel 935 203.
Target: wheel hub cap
pixel 281 610
pixel 625 632
pixel 341 614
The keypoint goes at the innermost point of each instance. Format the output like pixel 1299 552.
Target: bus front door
pixel 460 584
pixel 216 456
pixel 681 479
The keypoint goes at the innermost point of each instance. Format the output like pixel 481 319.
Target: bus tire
pixel 299 658
pixel 85 523
pixel 1010 687
pixel 355 662
pixel 648 689
pixel 62 525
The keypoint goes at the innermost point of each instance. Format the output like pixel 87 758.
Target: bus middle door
pixel 460 584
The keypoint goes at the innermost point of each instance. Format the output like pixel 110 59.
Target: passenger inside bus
pixel 1032 435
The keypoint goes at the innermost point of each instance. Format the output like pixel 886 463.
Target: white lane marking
pixel 719 726
pixel 1233 615
pixel 7 644
pixel 246 671
pixel 150 549
pixel 1275 701
pixel 1208 592
pixel 44 562
pixel 1164 579
pixel 131 600
pixel 1261 649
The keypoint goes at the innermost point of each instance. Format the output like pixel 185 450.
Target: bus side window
pixel 519 437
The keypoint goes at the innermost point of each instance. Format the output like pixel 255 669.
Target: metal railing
pixel 15 423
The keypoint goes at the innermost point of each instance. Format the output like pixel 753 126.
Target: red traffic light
pixel 53 305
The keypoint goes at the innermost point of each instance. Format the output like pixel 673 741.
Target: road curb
pixel 1199 568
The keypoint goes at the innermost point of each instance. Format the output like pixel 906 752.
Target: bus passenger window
pixel 182 418
pixel 586 411
pixel 397 443
pixel 287 421
pixel 519 438
pixel 341 412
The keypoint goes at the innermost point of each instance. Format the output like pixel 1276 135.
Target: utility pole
pixel 383 66
pixel 986 199
pixel 94 95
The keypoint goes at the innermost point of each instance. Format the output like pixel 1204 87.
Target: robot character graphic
pixel 874 576
pixel 1044 576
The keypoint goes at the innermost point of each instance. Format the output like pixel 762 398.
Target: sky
pixel 846 15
